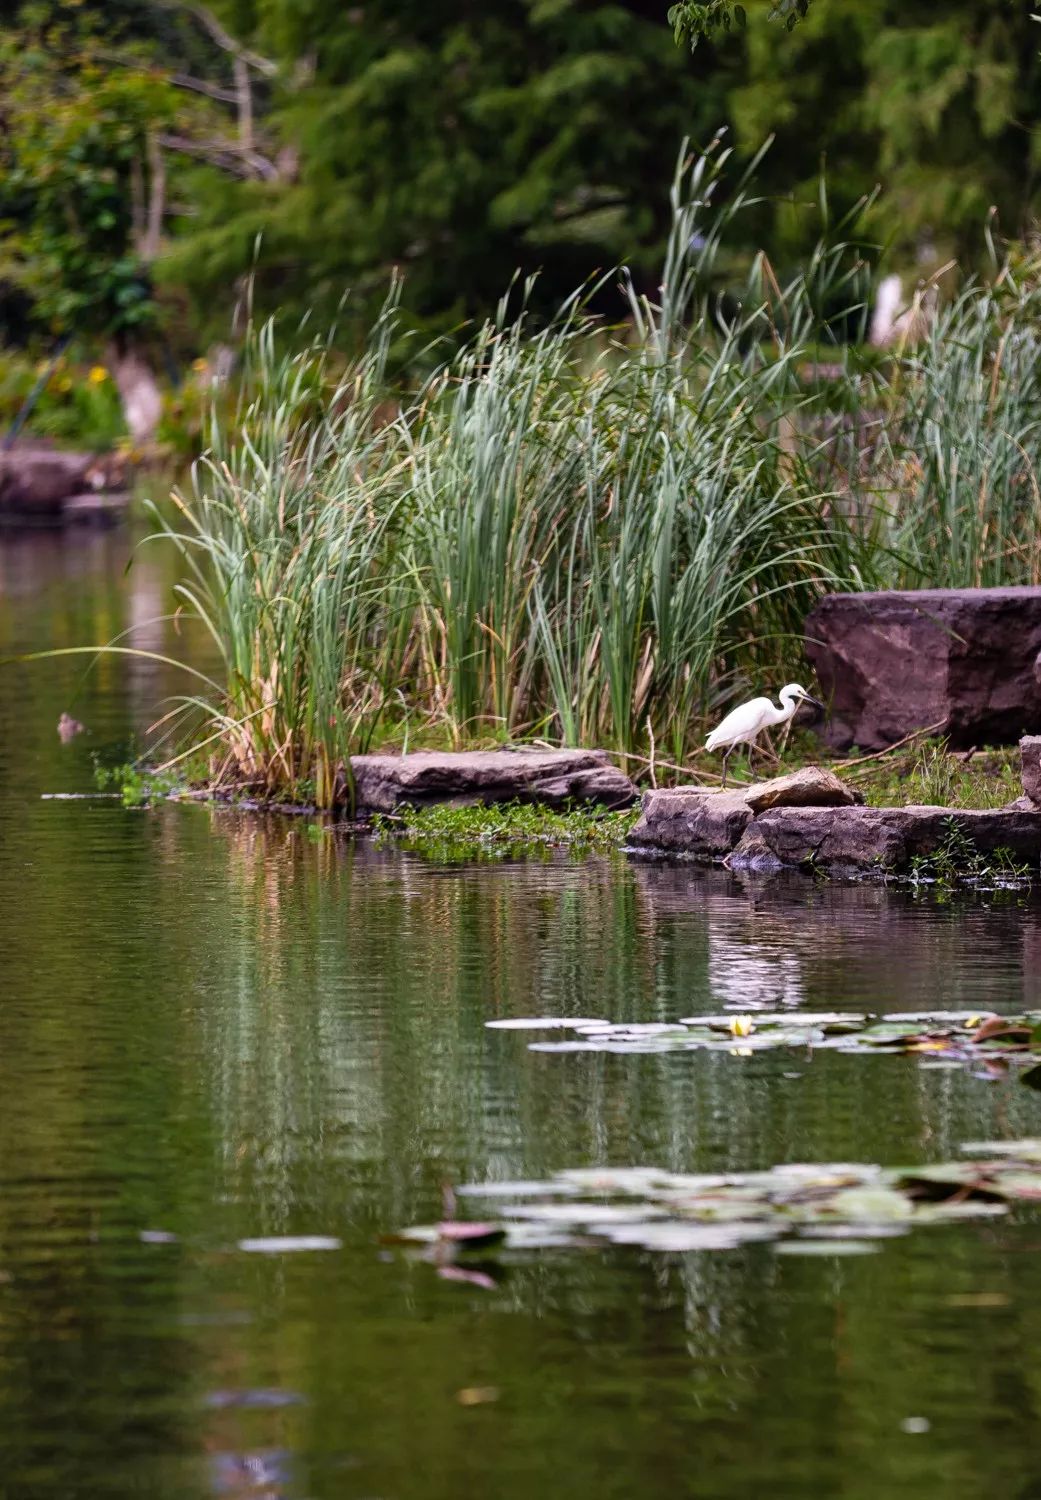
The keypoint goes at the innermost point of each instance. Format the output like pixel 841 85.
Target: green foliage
pixel 693 19
pixel 937 104
pixel 957 861
pixel 545 538
pixel 74 140
pixel 137 785
pixel 587 536
pixel 79 404
pixel 460 143
pixel 454 143
pixel 445 832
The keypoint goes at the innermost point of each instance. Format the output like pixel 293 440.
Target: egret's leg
pixel 723 785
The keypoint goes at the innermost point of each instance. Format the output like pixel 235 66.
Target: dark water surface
pixel 215 1026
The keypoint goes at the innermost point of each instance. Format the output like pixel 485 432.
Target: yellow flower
pixel 200 365
pixel 97 375
pixel 742 1026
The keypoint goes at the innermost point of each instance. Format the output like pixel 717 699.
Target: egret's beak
pixel 816 702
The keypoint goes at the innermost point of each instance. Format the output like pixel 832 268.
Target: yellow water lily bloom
pixel 742 1026
pixel 97 375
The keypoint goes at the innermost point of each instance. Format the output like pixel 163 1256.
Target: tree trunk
pixel 139 392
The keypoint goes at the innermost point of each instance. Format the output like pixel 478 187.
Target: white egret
pixel 743 724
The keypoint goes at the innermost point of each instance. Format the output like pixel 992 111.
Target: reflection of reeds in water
pixel 349 986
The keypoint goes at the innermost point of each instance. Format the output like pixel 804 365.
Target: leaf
pixel 873 1204
pixel 825 1247
pixel 470 1236
pixel 289 1244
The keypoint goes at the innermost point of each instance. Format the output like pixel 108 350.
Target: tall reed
pixel 581 532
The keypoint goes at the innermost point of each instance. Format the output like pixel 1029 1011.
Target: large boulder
pixel 962 660
pixel 384 783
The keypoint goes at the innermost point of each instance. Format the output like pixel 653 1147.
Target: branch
pixel 224 40
pixel 245 103
pixel 224 154
pixel 156 200
pixel 200 86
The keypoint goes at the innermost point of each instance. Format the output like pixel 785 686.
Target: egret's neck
pixel 786 711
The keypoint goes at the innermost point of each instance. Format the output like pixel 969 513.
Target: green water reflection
pixel 213 1026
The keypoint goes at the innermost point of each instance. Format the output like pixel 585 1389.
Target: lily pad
pixel 941 1038
pixel 835 1207
pixel 290 1244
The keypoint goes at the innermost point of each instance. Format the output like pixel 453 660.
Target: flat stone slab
pixel 889 838
pixel 965 660
pixel 383 783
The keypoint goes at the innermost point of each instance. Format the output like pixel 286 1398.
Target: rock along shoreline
pixel 806 820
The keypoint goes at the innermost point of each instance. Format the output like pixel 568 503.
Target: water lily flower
pixel 742 1026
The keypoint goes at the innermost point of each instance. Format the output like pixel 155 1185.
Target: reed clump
pixel 589 534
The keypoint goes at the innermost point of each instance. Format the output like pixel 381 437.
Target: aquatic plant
pixel 445 832
pixel 956 1035
pixel 828 1208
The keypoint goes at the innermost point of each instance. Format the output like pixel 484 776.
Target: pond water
pixel 216 1026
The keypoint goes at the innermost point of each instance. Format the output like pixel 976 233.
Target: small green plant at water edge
pixel 505 826
pixel 956 861
pixel 136 784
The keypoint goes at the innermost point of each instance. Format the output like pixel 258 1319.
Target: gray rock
pixel 888 838
pixel 963 659
pixel 36 480
pixel 96 507
pixel 690 821
pixel 707 823
pixel 1030 766
pixel 752 852
pixel 811 786
pixel 384 783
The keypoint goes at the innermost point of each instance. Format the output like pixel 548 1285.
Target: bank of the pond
pixel 497 802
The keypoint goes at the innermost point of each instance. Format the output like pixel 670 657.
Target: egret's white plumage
pixel 743 724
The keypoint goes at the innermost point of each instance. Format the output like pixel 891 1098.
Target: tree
pixel 456 143
pixel 99 110
pixel 693 19
pixel 941 106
